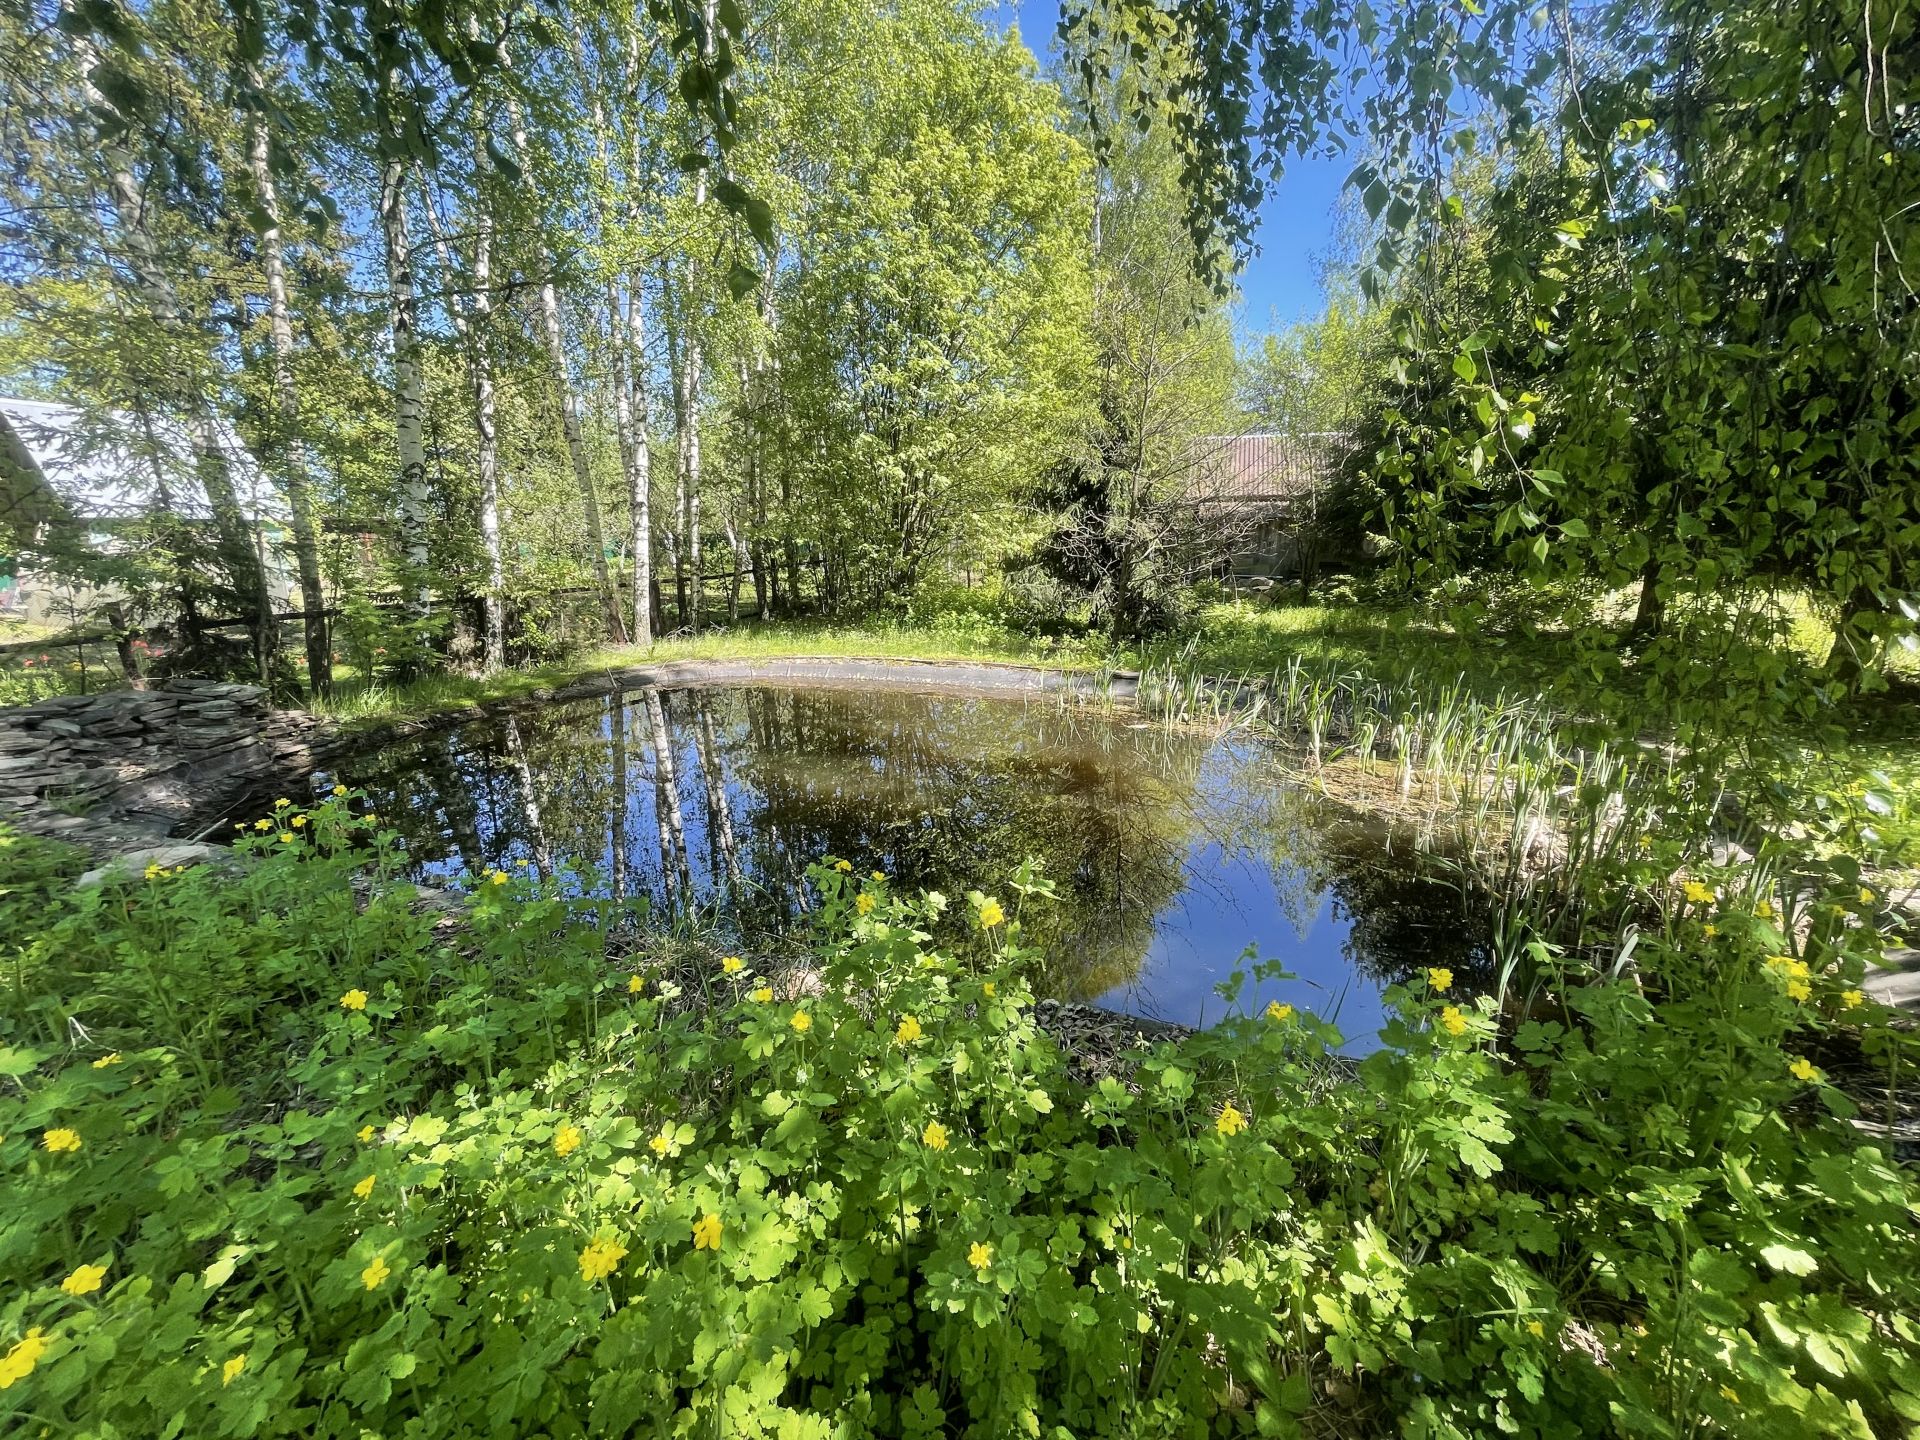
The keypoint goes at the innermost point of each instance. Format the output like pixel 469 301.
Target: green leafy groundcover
pixel 283 1157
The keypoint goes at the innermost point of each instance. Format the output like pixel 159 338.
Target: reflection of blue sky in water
pixel 1239 895
pixel 1234 902
pixel 1172 852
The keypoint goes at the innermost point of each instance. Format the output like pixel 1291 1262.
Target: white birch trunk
pixel 313 599
pixel 415 499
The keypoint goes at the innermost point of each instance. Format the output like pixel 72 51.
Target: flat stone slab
pixel 133 863
pixel 1899 984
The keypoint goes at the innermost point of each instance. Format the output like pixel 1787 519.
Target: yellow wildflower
pixel 372 819
pixel 1231 1121
pixel 1536 1329
pixel 732 965
pixel 84 1280
pixel 567 1139
pixel 1452 1021
pixel 299 822
pixel 498 877
pixel 1799 990
pixel 523 862
pixel 664 1144
pixel 282 804
pixel 231 1370
pixel 934 1137
pixel 375 1275
pixel 263 824
pixel 1866 896
pixel 980 1255
pixel 801 1021
pixel 1277 1012
pixel 845 867
pixel 1764 909
pixel 154 872
pixel 1440 978
pixel 863 904
pixel 1709 930
pixel 706 1232
pixel 363 1188
pixel 365 1134
pixel 1698 894
pixel 354 1000
pixel 1852 999
pixel 600 1259
pixel 991 915
pixel 60 1139
pixel 763 994
pixel 286 837
pixel 879 877
pixel 21 1359
pixel 1803 1069
pixel 635 984
pixel 105 1060
pixel 339 792
pixel 909 1030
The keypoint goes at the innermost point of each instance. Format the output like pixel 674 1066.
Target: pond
pixel 1173 852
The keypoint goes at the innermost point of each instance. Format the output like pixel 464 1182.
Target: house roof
pixel 99 467
pixel 1261 469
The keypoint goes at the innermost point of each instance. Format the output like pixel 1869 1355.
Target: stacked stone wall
pixel 130 767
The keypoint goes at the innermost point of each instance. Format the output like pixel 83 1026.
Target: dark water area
pixel 1172 852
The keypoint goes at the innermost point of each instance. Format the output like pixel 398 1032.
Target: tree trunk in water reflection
pixel 529 802
pixel 666 791
pixel 719 819
pixel 454 790
pixel 617 747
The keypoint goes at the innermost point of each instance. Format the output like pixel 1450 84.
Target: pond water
pixel 1172 852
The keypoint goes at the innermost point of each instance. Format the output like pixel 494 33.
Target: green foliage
pixel 1652 311
pixel 1129 541
pixel 929 348
pixel 346 1170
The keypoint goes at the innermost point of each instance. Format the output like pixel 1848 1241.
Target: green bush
pixel 288 1154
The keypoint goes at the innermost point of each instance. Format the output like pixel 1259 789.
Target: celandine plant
pixel 285 1156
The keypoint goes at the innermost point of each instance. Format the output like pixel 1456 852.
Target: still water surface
pixel 1172 852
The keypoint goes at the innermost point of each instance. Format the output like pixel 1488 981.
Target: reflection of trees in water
pixel 670 824
pixel 724 855
pixel 616 723
pixel 688 793
pixel 955 793
pixel 1404 908
pixel 530 822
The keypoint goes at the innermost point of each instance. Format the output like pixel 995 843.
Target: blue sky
pixel 1279 284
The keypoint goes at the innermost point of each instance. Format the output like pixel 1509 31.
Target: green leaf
pixel 1789 1259
pixel 742 280
pixel 759 217
pixel 506 164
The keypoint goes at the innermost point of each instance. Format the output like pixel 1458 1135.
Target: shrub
pixel 287 1154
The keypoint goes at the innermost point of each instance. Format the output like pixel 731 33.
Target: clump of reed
pixel 1553 832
